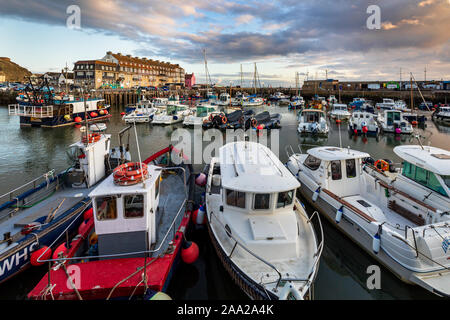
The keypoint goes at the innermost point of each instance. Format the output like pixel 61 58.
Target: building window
pixel 235 198
pixel 106 208
pixel 285 198
pixel 262 201
pixel 336 173
pixel 133 206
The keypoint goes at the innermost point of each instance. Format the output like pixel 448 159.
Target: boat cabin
pixel 312 115
pixel 249 178
pixel 90 160
pixel 340 107
pixel 336 169
pixel 427 166
pixel 125 216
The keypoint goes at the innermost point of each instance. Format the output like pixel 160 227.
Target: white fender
pixel 316 194
pixel 339 214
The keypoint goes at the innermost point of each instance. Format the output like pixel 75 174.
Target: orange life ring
pixel 93 137
pixel 130 173
pixel 224 119
pixel 384 166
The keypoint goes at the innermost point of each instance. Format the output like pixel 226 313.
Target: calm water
pixel 26 153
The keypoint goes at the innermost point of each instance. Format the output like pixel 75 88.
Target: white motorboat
pixel 174 113
pixel 388 104
pixel 224 99
pixel 340 112
pixel 143 113
pixel 393 121
pixel 253 101
pixel 399 230
pixel 202 113
pixel 442 114
pixel 278 96
pixel 260 230
pixel 312 121
pixel 97 127
pixel 363 123
pixel 160 102
pixel 400 105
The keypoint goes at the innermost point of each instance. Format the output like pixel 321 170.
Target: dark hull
pixel 59 120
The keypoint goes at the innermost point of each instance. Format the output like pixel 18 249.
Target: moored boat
pixel 130 245
pixel 312 121
pixel 393 121
pixel 260 231
pixel 396 227
pixel 35 214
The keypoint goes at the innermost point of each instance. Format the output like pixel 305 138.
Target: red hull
pixel 114 278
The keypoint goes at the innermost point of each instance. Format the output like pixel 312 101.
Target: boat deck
pixel 64 197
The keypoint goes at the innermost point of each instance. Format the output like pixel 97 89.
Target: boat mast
pixel 412 100
pixel 85 116
pixel 242 79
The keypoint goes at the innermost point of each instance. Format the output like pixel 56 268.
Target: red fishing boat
pixel 130 241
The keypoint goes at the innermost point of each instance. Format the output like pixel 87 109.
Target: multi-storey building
pixel 125 71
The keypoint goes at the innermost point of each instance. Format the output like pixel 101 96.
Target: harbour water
pixel 26 153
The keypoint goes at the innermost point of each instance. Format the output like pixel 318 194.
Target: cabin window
pixel 156 187
pixel 312 162
pixel 235 198
pixel 133 206
pixel 285 198
pixel 446 180
pixel 424 177
pixel 106 208
pixel 262 201
pixel 350 168
pixel 336 172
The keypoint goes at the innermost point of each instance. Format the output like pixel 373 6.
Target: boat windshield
pixel 312 162
pixel 446 180
pixel 424 177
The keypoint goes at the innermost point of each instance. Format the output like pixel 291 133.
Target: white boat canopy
pixel 335 153
pixel 252 167
pixel 429 158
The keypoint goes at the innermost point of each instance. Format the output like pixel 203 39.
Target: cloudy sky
pixel 311 37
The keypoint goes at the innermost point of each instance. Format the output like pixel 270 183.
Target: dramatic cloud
pixel 237 31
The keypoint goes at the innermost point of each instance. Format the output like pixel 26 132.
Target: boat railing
pixel 320 245
pixel 62 260
pixel 30 111
pixel 14 196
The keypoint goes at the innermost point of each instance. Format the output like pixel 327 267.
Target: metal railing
pixel 30 111
pixel 117 255
pixel 317 255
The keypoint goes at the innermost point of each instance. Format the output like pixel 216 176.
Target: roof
pixel 335 153
pixel 252 167
pixel 312 110
pixel 429 158
pixel 108 187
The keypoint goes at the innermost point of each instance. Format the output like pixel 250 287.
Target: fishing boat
pixel 442 114
pixel 33 215
pixel 394 122
pixel 363 123
pixel 297 103
pixel 130 243
pixel 395 226
pixel 56 113
pixel 278 96
pixel 332 100
pixel 312 121
pixel 340 112
pixel 160 102
pixel 387 104
pixel 202 113
pixel 173 113
pixel 357 103
pixel 260 231
pixel 143 113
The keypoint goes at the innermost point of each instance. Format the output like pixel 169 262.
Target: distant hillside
pixel 13 72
